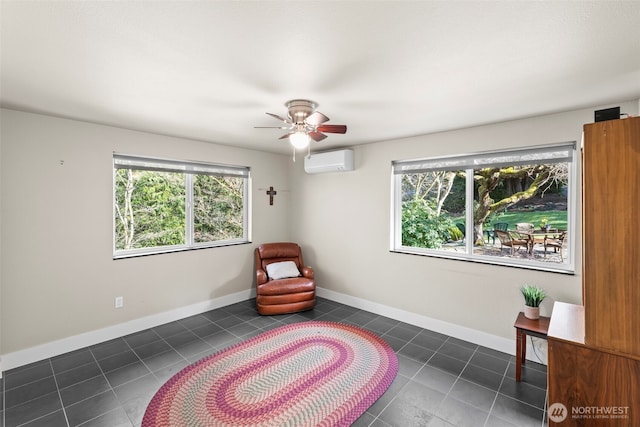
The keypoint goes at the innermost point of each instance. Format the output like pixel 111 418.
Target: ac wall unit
pixel 329 161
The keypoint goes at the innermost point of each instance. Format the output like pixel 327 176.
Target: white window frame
pixel 189 168
pixel 468 162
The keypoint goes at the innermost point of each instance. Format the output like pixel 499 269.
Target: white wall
pixel 343 221
pixel 58 278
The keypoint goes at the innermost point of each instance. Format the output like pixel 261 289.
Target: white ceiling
pixel 209 70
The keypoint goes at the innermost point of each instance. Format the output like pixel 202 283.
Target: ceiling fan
pixel 304 123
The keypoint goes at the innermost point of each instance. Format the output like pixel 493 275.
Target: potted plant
pixel 533 296
pixel 544 224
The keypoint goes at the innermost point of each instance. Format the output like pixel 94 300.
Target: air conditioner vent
pixel 330 161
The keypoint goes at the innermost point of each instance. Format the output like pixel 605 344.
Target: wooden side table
pixel 536 328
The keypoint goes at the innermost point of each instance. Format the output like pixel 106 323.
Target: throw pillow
pixel 282 270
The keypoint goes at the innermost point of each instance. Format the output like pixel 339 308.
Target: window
pixel 511 207
pixel 168 205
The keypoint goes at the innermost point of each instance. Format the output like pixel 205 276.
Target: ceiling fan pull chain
pixel 294 153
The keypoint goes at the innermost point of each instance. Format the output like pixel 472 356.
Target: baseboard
pixel 65 345
pixel 494 342
pixel 24 357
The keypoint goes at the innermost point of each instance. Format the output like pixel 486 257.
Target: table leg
pixel 518 353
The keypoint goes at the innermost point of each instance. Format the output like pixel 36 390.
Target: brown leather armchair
pixel 283 295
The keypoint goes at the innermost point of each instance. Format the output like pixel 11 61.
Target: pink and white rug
pixel 305 374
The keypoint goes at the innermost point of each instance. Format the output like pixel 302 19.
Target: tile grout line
pixel 495 398
pixel 377 417
pixel 4 405
pixel 459 377
pixel 55 380
pixel 95 359
pixel 517 400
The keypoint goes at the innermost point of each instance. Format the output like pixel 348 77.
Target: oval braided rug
pixel 303 374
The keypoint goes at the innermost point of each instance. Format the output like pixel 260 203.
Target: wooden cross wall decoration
pixel 271 192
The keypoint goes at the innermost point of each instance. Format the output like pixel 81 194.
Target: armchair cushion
pixel 282 270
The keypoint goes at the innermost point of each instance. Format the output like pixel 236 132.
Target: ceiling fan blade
pixel 316 118
pixel 317 136
pixel 332 128
pixel 286 135
pixel 272 127
pixel 275 116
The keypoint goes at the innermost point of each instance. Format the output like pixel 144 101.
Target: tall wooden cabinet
pixel 594 350
pixel 611 222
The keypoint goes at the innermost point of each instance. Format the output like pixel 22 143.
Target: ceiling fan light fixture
pixel 304 124
pixel 299 140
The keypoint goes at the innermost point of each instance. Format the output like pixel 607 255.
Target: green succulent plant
pixel 533 295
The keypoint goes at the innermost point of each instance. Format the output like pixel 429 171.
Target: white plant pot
pixel 532 313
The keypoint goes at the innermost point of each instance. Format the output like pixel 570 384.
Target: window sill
pixel 503 262
pixel 135 253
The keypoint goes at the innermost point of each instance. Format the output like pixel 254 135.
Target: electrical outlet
pixel 119 302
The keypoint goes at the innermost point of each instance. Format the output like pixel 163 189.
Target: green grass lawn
pixel 555 219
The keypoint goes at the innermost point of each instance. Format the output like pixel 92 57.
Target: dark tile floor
pixel 442 381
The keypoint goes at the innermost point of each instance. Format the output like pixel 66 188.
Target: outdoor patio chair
pixel 460 226
pixel 525 227
pixel 491 234
pixel 500 226
pixel 512 240
pixel 557 243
